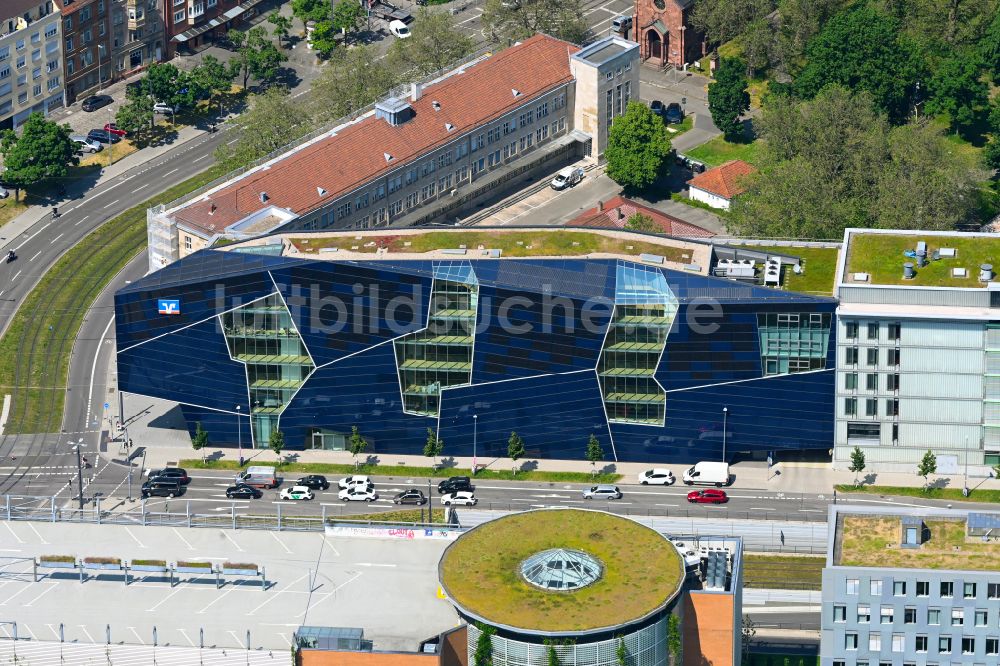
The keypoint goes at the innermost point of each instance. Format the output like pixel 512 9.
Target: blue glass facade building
pixel 643 357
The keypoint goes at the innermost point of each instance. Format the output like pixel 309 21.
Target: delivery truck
pixel 707 474
pixel 258 477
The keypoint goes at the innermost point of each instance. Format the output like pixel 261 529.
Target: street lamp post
pixel 725 418
pixel 79 471
pixel 239 433
pixel 100 79
pixel 475 438
pixel 965 483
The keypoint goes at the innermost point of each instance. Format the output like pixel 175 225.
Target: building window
pixel 894 331
pixel 543 110
pixel 944 644
pixel 68 23
pixel 993 646
pixel 411 200
pixel 851 355
pixel 875 587
pixel 909 615
pixel 897 642
pixel 921 644
pixel 852 585
pixel 851 381
pixel 968 645
pixel 851 330
pixel 84 14
pixel 957 617
pixel 892 382
pixel 850 406
pixel 871 381
pixel 872 355
pixel 411 175
pixel 947 589
pixel 969 591
pixel 993 590
pixel 934 616
pixel 893 359
pixel 874 642
pixel 851 641
pixel 559 101
pixel 343 210
pixel 873 330
pixel 840 613
pixel 461 150
pixel 396 207
pixel 980 618
pixel 178 16
pixel 609 104
pixel 395 184
pixel 871 407
pixel 187 242
pixel 892 407
pixel 886 615
pixel 864 614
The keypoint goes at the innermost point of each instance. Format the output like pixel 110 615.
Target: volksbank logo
pixel 168 306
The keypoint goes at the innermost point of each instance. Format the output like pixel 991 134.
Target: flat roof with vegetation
pixel 881 256
pixel 481 574
pixel 874 541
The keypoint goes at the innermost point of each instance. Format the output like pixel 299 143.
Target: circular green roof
pixel 504 571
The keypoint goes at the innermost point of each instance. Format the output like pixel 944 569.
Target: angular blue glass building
pixel 644 357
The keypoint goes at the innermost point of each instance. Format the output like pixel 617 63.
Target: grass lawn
pixel 719 151
pixel 393 516
pixel 820 264
pixel 684 126
pixel 641 570
pixel 407 471
pixel 881 255
pixel 950 494
pixel 9 209
pixel 762 659
pixel 42 332
pixel 870 541
pixel 513 243
pixel 780 572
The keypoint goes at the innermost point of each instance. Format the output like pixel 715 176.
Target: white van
pixel 567 178
pixel 708 474
pixel 258 477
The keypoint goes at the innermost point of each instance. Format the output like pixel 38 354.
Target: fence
pixel 680 512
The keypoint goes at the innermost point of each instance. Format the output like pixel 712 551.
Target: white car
pixel 399 29
pixel 355 480
pixel 163 107
pixel 3 192
pixel 656 477
pixel 357 494
pixel 463 497
pixel 85 145
pixel 296 493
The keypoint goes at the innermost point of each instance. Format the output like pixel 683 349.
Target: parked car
pixel 621 23
pixel 410 497
pixel 567 178
pixel 314 481
pixel 111 127
pixel 674 113
pixel 461 497
pixel 656 477
pixel 602 491
pixel 656 106
pixel 454 484
pixel 161 488
pixel 243 491
pixel 708 496
pixel 163 107
pixel 355 480
pixel 178 474
pixel 103 136
pixel 296 493
pixel 85 145
pixel 708 474
pixel 399 29
pixel 3 192
pixel 95 102
pixel 358 494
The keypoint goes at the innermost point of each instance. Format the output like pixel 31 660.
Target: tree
pixel 991 152
pixel 728 98
pixel 996 471
pixel 621 652
pixel 167 84
pixel 347 15
pixel 255 56
pixel 861 49
pixel 799 21
pixel 595 453
pixel 723 20
pixel 213 76
pixel 356 444
pixel 748 631
pixel 434 44
pixel 989 48
pixel 552 655
pixel 758 43
pixel 277 443
pixel 200 439
pixel 956 90
pixel 273 121
pixel 310 10
pixel 43 150
pixel 434 446
pixel 353 79
pixel 483 656
pixel 515 449
pixel 642 222
pixel 857 463
pixel 506 22
pixel 324 39
pixel 638 145
pixel 282 24
pixel 136 114
pixel 927 466
pixel 674 640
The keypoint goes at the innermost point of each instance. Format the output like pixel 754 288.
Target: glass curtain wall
pixel 793 342
pixel 262 337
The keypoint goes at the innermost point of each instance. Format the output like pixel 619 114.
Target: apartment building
pixel 137 38
pixel 189 24
pixel 910 587
pixel 918 356
pixel 30 60
pixel 444 147
pixel 87 35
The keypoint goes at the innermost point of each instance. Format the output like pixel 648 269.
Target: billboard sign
pixel 168 306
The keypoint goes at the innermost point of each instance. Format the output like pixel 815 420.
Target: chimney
pixel 211 211
pixel 416 92
pixel 263 197
pixel 600 206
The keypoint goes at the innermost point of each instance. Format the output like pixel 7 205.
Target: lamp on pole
pixel 79 471
pixel 100 80
pixel 725 418
pixel 965 483
pixel 239 433
pixel 475 438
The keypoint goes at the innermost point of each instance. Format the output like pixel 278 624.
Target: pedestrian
pixel 782 536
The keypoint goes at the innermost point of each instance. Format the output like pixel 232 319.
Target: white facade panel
pixel 938 436
pixel 940 385
pixel 941 411
pixel 918 333
pixel 941 360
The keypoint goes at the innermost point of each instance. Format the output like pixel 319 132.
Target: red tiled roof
pixel 725 180
pixel 356 154
pixel 618 210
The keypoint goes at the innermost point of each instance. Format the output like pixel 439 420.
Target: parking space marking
pixel 233 541
pixel 38 534
pixel 43 593
pixel 24 588
pixel 282 543
pixel 89 637
pixel 243 646
pixel 138 638
pixel 129 532
pixel 13 533
pixel 184 634
pixel 335 551
pixel 159 603
pixel 181 537
pixel 216 600
pixel 287 588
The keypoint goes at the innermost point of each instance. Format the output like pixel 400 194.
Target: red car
pixel 111 127
pixel 710 496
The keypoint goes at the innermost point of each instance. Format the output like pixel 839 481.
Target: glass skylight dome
pixel 561 569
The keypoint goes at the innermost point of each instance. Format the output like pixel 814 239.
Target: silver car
pixel 603 491
pixel 85 145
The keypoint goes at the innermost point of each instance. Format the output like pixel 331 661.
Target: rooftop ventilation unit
pixel 437 105
pixel 515 92
pixel 320 191
pixel 986 272
pixel 388 157
pixel 449 127
pixel 908 272
pixel 394 111
pixel 264 197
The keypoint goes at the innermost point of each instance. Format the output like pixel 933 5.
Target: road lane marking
pixel 34 257
pixel 171 171
pixel 15 276
pixel 55 239
pixel 81 220
pixel 93 367
pixel 112 204
pixel 141 187
pixel 198 159
pixel 28 239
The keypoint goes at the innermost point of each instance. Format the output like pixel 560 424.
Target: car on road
pixel 354 480
pixel 708 496
pixel 296 493
pixel 161 488
pixel 95 102
pixel 178 474
pixel 410 497
pixel 656 106
pixel 163 107
pixel 399 29
pixel 674 113
pixel 603 491
pixel 243 491
pixel 103 136
pixel 460 497
pixel 621 23
pixel 567 178
pixel 111 127
pixel 85 145
pixel 358 494
pixel 656 477
pixel 314 481
pixel 454 484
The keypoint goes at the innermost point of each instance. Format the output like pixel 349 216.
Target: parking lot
pixel 313 579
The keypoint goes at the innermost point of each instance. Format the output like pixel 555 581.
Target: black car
pixel 95 102
pixel 162 488
pixel 103 136
pixel 410 497
pixel 454 484
pixel 313 482
pixel 656 106
pixel 243 491
pixel 170 474
pixel 674 113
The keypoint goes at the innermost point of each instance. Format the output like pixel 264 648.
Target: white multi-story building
pixel 918 358
pixel 31 65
